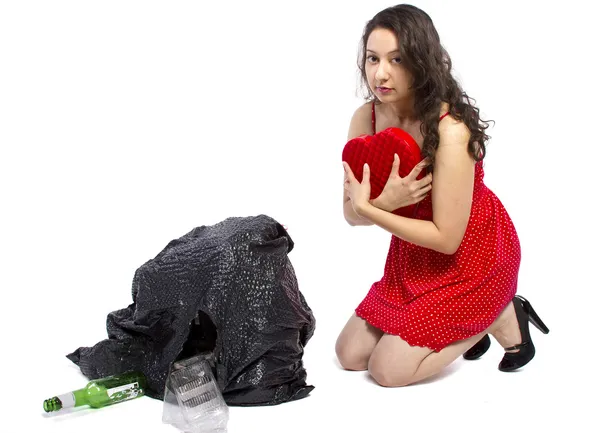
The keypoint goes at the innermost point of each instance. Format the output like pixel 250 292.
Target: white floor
pixel 546 394
pixel 555 390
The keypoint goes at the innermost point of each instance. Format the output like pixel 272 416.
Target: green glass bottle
pixel 101 392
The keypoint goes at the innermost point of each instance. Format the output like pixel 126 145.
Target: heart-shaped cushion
pixel 378 151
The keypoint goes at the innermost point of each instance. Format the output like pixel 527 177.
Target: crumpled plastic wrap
pixel 228 288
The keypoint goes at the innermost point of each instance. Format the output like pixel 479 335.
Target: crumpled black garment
pixel 229 288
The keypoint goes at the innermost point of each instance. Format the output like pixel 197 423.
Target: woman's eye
pixel 398 60
pixel 372 59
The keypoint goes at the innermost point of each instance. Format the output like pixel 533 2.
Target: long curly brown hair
pixel 423 55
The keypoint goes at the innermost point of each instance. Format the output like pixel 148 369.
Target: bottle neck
pixel 73 399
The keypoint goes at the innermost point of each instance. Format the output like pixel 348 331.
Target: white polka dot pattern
pixel 431 299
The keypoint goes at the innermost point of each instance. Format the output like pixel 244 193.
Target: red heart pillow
pixel 378 151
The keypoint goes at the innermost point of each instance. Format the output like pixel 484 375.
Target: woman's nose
pixel 381 74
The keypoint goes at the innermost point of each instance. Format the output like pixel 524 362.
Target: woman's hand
pixel 403 191
pixel 359 192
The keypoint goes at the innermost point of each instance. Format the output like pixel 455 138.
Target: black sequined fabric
pixel 229 289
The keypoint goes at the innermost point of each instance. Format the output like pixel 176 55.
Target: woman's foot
pixel 478 349
pixel 512 332
pixel 506 330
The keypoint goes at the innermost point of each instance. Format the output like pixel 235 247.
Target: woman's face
pixel 387 77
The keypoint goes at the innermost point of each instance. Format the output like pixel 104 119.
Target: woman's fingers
pixel 417 169
pixel 348 171
pixel 395 165
pixel 366 173
pixel 425 181
pixel 422 192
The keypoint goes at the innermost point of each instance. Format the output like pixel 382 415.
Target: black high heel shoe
pixel 526 349
pixel 478 349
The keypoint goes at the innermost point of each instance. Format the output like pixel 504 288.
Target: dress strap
pixel 373 116
pixel 444 115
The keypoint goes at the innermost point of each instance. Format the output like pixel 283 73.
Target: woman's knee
pixel 387 375
pixel 356 343
pixel 350 356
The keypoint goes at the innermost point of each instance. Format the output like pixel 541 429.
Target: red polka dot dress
pixel 432 299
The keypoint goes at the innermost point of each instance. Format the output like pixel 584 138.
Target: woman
pixel 450 277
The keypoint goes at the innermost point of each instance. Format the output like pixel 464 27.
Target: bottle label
pixel 125 392
pixel 67 400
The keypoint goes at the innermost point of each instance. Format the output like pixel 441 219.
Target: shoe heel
pixel 526 350
pixel 533 316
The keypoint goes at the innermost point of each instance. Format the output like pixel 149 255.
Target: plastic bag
pixel 230 289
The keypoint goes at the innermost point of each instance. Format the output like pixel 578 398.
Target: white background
pixel 125 124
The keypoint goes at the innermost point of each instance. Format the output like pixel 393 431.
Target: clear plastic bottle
pixel 193 402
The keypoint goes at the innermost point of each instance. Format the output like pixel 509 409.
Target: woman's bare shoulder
pixel 444 108
pixel 360 123
pixel 452 131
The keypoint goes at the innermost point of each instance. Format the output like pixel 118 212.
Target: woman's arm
pixel 452 195
pixel 359 125
pixel 351 216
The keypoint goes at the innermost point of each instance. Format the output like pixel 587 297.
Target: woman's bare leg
pixel 356 343
pixel 395 363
